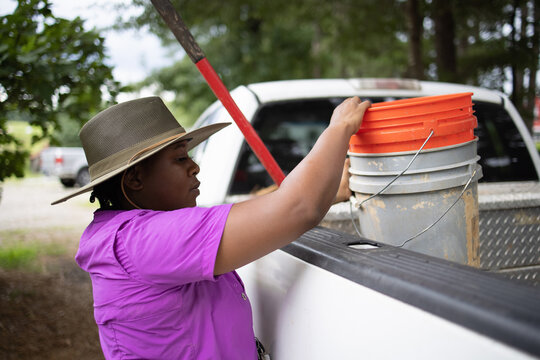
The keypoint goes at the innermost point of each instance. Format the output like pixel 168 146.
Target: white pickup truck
pixel 333 295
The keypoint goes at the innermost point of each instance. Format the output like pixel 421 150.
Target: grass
pixel 29 250
pixel 17 256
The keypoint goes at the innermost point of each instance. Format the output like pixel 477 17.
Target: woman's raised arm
pixel 261 225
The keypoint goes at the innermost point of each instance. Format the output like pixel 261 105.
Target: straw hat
pixel 125 134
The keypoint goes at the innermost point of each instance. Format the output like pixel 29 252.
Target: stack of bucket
pixel 391 134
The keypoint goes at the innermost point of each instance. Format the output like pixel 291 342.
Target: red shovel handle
pixel 183 35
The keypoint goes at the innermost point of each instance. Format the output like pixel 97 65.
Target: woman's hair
pixel 108 193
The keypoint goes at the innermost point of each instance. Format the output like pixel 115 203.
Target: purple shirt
pixel 155 295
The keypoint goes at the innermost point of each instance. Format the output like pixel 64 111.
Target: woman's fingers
pixel 351 112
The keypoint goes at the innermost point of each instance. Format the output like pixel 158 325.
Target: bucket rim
pixel 450 113
pixel 408 152
pixel 410 185
pixel 426 170
pixel 415 101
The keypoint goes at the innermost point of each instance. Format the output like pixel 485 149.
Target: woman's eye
pixel 181 159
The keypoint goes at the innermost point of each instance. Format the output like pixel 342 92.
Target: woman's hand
pixel 350 113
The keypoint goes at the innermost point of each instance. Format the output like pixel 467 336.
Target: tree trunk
pixel 316 50
pixel 443 17
pixel 533 67
pixel 415 30
pixel 517 61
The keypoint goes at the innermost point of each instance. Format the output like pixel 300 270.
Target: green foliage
pixel 12 162
pixel 68 133
pixel 24 133
pixel 49 67
pixel 251 41
pixel 191 92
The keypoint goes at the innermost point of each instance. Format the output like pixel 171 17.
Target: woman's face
pixel 168 179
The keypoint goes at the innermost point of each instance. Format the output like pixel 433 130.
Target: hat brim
pixel 195 137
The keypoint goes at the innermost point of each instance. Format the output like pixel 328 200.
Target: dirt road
pixel 26 203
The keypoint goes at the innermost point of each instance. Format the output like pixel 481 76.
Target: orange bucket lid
pixel 404 125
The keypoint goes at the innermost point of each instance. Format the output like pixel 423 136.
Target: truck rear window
pixel 504 156
pixel 290 129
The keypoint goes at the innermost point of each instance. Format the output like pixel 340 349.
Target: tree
pixel 415 28
pixel 524 46
pixel 49 67
pixel 459 41
pixel 502 39
pixel 444 40
pixel 480 43
pixel 251 41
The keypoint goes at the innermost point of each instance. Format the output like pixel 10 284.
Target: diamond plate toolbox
pixel 509 225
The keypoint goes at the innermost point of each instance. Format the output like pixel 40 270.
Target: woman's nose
pixel 194 168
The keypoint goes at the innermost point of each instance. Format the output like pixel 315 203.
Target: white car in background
pixel 68 164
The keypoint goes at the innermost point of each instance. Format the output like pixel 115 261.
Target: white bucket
pixel 418 198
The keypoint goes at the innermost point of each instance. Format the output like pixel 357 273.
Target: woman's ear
pixel 132 179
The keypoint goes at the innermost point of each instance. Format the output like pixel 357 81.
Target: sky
pixel 132 53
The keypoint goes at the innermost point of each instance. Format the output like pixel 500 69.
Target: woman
pixel 162 269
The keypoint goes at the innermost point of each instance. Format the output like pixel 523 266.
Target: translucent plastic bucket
pixel 432 184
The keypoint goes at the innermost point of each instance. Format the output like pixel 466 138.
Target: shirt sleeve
pixel 172 247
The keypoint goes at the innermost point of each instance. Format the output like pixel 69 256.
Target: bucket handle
pixel 397 176
pixel 444 213
pixel 357 205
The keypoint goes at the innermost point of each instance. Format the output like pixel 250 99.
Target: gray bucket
pixel 419 197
